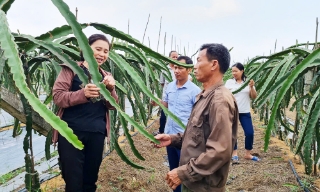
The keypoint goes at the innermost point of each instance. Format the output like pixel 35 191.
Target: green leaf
pixel 34 63
pixel 309 61
pixel 120 152
pixel 129 80
pixel 133 106
pixel 5 5
pixel 16 128
pixel 47 145
pixel 137 54
pixel 280 116
pixel 254 75
pixel 271 91
pixel 138 80
pixel 28 177
pixel 63 57
pixel 121 88
pixel 128 136
pixel 52 35
pixel 10 51
pixel 272 75
pixel 93 66
pixel 317 130
pixel 309 122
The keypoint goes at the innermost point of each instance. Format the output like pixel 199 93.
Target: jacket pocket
pixel 196 133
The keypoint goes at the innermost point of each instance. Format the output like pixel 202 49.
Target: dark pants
pixel 246 123
pixel 163 120
pixel 185 189
pixel 80 168
pixel 174 158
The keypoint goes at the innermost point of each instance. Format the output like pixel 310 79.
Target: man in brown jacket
pixel 211 133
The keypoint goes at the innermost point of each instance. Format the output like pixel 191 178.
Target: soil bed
pixel 272 173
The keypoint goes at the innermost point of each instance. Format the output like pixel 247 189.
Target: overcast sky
pixel 251 27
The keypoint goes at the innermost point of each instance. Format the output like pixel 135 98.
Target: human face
pixel 100 51
pixel 180 72
pixel 174 55
pixel 236 73
pixel 204 68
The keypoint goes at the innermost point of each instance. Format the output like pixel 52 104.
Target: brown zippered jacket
pixel 208 141
pixel 64 98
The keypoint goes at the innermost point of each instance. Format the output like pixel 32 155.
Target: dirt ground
pixel 272 173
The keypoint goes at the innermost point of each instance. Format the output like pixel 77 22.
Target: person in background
pixel 86 113
pixel 179 97
pixel 243 101
pixel 211 132
pixel 164 83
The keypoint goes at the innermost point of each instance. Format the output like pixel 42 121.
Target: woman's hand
pixel 252 92
pixel 109 82
pixel 251 83
pixel 91 91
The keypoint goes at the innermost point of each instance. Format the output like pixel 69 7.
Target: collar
pixel 235 81
pixel 185 85
pixel 205 93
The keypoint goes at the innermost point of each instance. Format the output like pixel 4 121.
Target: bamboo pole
pixel 128 26
pixel 76 13
pixel 146 30
pixel 159 34
pixel 171 42
pixel 314 141
pixel 164 43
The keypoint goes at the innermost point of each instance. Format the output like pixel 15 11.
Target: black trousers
pixel 163 120
pixel 80 168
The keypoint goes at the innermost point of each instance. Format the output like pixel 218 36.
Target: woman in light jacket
pixel 86 113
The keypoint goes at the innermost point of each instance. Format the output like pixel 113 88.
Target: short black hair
pixel 218 52
pixel 93 38
pixel 186 58
pixel 172 52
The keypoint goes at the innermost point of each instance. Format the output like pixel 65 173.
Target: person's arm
pixel 62 96
pixel 252 90
pixel 176 140
pixel 165 98
pixel 115 96
pixel 162 79
pixel 253 93
pixel 218 146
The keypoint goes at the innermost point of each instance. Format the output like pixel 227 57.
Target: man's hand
pixel 109 82
pixel 165 140
pixel 173 179
pixel 91 91
pixel 251 83
pixel 153 103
